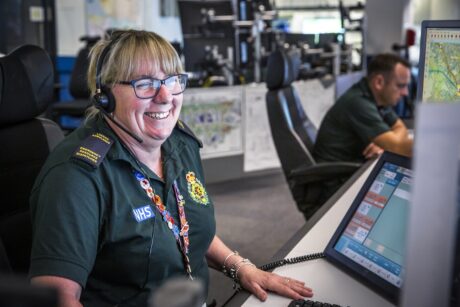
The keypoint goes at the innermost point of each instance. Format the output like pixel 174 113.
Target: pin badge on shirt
pixel 196 189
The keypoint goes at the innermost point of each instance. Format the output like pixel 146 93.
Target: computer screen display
pixel 371 239
pixel 439 65
pixel 310 22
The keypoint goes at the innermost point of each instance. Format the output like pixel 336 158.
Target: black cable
pixel 275 264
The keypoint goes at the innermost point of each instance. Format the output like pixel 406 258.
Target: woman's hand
pixel 258 282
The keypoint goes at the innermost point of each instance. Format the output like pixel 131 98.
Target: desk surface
pixel 329 283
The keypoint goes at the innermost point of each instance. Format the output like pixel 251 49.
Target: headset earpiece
pixel 104 100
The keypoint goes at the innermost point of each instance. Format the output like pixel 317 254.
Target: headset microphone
pixel 119 125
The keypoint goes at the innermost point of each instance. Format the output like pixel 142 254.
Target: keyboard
pixel 310 303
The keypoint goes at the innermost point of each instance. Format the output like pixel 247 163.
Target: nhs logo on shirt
pixel 143 213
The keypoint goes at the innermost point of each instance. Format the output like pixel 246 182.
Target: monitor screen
pixel 371 239
pixel 439 65
pixel 310 22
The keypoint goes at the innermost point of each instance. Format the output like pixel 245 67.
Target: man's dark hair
pixel 384 64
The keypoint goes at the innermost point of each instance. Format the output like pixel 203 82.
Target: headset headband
pixel 100 60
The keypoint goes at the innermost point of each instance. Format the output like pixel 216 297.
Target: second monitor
pixel 439 65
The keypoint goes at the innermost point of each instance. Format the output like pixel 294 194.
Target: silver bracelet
pixel 224 267
pixel 233 272
pixel 246 262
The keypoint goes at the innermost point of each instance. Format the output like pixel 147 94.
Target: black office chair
pixel 294 136
pixel 78 87
pixel 26 87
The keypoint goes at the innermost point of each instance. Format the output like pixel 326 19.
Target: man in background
pixel 362 123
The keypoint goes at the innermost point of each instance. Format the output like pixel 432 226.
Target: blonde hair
pixel 130 51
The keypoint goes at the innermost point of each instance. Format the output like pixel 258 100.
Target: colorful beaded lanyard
pixel 182 235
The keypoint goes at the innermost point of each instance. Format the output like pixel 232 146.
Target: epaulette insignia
pixel 93 149
pixel 184 128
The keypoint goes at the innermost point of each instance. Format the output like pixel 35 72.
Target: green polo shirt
pixel 351 124
pixel 95 224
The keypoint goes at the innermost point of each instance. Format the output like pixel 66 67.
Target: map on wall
pixel 120 14
pixel 441 80
pixel 259 149
pixel 214 115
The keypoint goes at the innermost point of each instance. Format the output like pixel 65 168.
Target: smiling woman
pixel 126 190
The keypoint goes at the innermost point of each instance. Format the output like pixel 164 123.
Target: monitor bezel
pixel 430 251
pixel 368 278
pixel 427 24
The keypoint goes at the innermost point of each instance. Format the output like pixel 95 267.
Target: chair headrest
pixel 78 86
pixel 283 68
pixel 26 84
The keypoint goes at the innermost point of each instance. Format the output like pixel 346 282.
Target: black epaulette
pixel 185 129
pixel 93 149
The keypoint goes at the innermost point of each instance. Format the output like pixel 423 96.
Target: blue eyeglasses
pixel 147 87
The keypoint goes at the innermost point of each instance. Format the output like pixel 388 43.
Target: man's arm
pixel 372 151
pixel 396 140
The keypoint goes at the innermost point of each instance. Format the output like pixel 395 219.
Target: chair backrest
pixel 78 84
pixel 78 88
pixel 26 87
pixel 292 131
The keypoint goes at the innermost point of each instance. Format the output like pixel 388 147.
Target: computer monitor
pixel 193 21
pixel 370 241
pixel 433 257
pixel 200 36
pixel 439 64
pixel 196 50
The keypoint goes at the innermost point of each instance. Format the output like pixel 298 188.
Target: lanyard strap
pixel 182 235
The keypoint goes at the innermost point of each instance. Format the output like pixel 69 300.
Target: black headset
pixel 103 99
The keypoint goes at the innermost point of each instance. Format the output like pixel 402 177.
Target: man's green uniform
pixel 94 224
pixel 351 124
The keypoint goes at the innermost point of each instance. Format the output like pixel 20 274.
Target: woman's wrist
pixel 247 263
pixel 227 264
pixel 233 265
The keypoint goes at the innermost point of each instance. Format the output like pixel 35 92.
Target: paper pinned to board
pixel 259 149
pixel 316 96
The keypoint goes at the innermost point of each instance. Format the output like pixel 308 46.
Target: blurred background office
pixel 225 46
pixel 227 43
